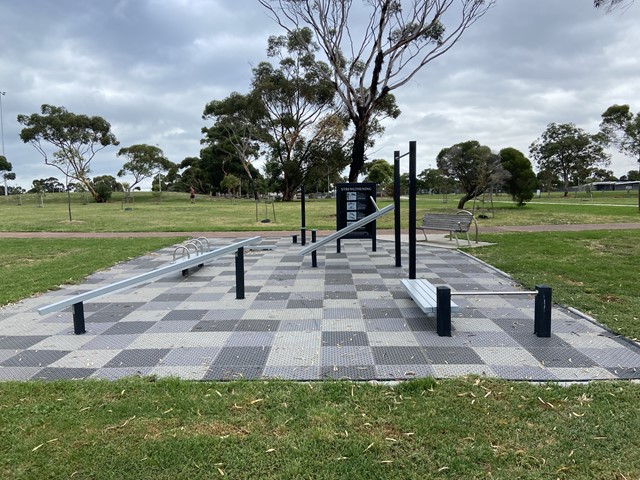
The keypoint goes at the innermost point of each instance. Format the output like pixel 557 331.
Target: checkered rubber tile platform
pixel 348 318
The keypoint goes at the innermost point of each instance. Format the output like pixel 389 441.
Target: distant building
pixel 615 186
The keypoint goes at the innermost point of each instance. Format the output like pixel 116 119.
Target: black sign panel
pixel 353 203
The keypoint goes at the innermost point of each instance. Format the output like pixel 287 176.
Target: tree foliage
pixel 568 151
pixel 143 162
pixel 237 129
pixel 610 5
pixel 46 185
pixel 621 128
pixel 473 166
pixel 230 183
pixel 399 39
pixel 5 170
pixel 76 139
pixel 434 180
pixel 522 180
pixel 301 119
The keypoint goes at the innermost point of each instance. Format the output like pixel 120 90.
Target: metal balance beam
pixel 348 229
pixel 181 265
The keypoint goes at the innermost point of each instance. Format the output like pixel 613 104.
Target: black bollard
pixel 443 311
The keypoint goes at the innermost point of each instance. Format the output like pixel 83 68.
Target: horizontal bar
pixel 348 229
pixel 522 292
pixel 158 272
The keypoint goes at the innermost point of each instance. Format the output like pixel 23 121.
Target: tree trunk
pixel 357 154
pixel 464 199
pixel 91 190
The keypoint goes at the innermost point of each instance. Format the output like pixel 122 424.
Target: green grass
pixel 174 213
pixel 593 271
pixel 462 428
pixel 31 266
pixel 422 429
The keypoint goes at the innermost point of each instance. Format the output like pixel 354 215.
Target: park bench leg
pixel 78 318
pixel 542 315
pixel 443 311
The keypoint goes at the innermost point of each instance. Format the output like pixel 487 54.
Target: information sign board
pixel 354 201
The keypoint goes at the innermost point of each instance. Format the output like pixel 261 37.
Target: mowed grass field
pixel 147 428
pixel 172 212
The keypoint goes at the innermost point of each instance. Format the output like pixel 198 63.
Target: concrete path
pixel 348 318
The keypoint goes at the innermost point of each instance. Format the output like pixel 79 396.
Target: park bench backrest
pixel 442 221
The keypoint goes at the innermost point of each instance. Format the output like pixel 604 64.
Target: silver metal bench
pixel 432 299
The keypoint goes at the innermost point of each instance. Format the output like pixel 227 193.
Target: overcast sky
pixel 149 67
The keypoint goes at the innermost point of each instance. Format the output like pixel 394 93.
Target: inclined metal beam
pixel 158 272
pixel 348 229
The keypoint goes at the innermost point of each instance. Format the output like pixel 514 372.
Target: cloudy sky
pixel 149 67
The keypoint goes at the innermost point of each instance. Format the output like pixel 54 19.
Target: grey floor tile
pixel 149 357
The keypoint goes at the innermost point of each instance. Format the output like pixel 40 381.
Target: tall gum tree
pixel 237 124
pixel 399 38
pixel 567 151
pixel 301 118
pixel 474 167
pixel 76 138
pixel 621 128
pixel 143 162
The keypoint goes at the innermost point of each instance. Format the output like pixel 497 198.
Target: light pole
pixel 2 94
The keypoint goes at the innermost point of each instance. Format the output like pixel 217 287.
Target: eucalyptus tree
pixel 568 151
pixel 621 128
pixel 238 125
pixel 5 170
pixel 522 180
pixel 376 49
pixel 474 167
pixel 144 161
pixel 300 115
pixel 76 140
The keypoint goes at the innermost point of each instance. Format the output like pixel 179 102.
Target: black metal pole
pixel 412 210
pixel 78 318
pixel 443 311
pixel 542 315
pixel 396 203
pixel 303 222
pixel 240 273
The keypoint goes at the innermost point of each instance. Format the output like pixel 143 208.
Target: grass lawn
pixel 174 213
pixel 35 265
pixel 423 429
pixel 595 272
pixel 462 428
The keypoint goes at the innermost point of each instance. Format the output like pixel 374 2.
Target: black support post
pixel 295 239
pixel 240 273
pixel 542 315
pixel 303 219
pixel 396 210
pixel 78 318
pixel 314 255
pixel 412 210
pixel 443 311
